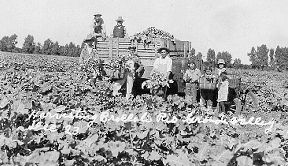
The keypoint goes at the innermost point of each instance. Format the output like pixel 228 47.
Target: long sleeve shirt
pixel 119 31
pixel 163 65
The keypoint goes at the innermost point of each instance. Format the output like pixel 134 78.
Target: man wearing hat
pixel 98 30
pixel 119 30
pixel 163 64
pixel 220 67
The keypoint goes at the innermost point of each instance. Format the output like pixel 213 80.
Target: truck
pixel 147 52
pixel 146 49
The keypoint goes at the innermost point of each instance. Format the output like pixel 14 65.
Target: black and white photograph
pixel 143 83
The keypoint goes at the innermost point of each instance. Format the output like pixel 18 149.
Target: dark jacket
pixel 119 31
pixel 139 68
pixel 98 29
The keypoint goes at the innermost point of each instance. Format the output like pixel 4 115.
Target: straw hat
pixel 120 19
pixel 221 61
pixel 163 48
pixel 98 14
pixel 89 38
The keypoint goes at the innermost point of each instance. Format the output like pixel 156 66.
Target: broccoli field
pixel 52 114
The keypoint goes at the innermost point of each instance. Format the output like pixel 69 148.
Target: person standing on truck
pixel 136 71
pixel 119 30
pixel 191 77
pixel 98 30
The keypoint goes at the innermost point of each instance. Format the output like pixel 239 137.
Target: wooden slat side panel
pixel 179 45
pixel 148 49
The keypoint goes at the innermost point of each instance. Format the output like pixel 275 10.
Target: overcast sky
pixel 224 25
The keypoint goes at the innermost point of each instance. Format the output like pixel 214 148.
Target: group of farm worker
pixel 133 71
pixel 163 64
pixel 98 33
pixel 192 77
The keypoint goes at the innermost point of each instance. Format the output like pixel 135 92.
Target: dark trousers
pixel 209 96
pixel 223 106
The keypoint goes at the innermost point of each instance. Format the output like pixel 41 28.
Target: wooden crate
pixel 177 47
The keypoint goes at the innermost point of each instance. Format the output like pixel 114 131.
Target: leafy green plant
pixel 47 85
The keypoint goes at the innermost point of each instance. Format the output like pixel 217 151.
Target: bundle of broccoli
pixel 153 32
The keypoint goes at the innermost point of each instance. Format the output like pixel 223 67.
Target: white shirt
pixel 89 49
pixel 163 65
pixel 87 53
pixel 223 91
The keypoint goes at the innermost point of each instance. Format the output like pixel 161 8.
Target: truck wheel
pixel 237 106
pixel 250 101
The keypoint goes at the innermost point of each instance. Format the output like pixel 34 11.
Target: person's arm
pixel 196 75
pixel 225 86
pixel 185 77
pixel 169 67
pixel 125 32
pixel 226 83
pixel 219 83
pixel 113 32
pixel 215 71
pixel 155 66
pixel 103 31
pixel 141 67
pixel 201 78
pixel 92 29
pixel 224 70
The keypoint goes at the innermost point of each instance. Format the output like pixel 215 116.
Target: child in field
pixel 207 88
pixel 191 78
pixel 223 89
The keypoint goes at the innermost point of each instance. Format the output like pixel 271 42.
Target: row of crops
pixel 34 87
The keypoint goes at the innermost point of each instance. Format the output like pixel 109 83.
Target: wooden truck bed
pixel 147 53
